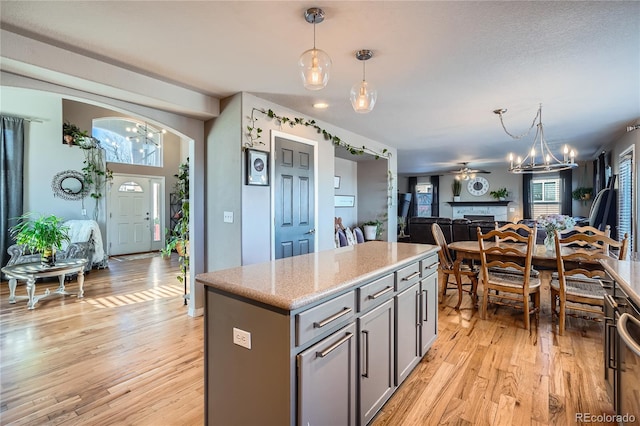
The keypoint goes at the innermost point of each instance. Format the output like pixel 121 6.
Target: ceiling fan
pixel 465 173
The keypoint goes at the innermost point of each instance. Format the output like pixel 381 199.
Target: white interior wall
pixel 348 172
pixel 224 187
pixel 45 154
pixel 44 106
pixel 374 196
pixel 256 202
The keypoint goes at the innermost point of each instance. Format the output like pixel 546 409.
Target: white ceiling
pixel 440 68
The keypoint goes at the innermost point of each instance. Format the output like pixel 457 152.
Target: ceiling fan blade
pixel 468 171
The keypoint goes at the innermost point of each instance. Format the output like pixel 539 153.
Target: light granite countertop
pixel 627 275
pixel 294 282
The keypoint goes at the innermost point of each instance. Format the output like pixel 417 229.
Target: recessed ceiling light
pixel 321 105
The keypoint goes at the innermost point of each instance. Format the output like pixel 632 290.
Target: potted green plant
pixel 41 234
pixel 582 194
pixel 456 187
pixel 370 229
pixel 500 194
pixel 178 238
pixel 72 135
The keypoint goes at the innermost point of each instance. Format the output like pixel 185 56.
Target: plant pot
pixel 370 232
pixel 48 257
pixel 456 198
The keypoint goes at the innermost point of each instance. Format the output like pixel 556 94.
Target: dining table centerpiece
pixel 553 222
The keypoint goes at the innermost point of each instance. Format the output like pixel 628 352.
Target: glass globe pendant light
pixel 363 95
pixel 314 64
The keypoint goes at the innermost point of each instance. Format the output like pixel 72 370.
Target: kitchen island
pixel 323 338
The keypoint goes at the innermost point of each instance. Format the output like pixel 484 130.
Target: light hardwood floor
pixel 128 354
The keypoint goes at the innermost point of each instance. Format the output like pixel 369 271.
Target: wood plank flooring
pixel 128 354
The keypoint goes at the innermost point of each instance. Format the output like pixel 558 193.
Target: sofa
pixel 85 242
pixel 419 229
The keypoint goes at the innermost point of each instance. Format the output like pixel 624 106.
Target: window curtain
pixel 435 200
pixel 527 202
pixel 413 181
pixel 566 182
pixel 11 179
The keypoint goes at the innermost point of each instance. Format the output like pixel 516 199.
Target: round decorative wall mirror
pixel 69 185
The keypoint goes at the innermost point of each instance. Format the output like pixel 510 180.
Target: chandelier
pixel 144 133
pixel 539 159
pixel 314 64
pixel 363 95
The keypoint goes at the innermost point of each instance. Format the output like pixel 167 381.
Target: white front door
pixel 130 219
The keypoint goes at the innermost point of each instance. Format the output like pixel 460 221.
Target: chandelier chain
pixel 517 137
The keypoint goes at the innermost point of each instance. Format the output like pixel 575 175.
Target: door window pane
pixel 130 187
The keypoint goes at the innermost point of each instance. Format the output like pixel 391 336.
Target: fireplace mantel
pixel 478 203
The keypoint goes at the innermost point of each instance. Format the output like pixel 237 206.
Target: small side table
pixel 34 270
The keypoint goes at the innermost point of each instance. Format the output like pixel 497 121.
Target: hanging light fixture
pixel 314 64
pixel 363 95
pixel 144 133
pixel 539 159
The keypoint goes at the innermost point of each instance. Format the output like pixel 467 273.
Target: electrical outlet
pixel 242 338
pixel 84 212
pixel 228 217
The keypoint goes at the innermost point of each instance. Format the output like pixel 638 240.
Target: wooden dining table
pixel 541 258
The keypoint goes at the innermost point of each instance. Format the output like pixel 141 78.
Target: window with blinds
pixel 625 196
pixel 546 196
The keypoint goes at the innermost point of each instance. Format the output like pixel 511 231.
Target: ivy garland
pixel 254 133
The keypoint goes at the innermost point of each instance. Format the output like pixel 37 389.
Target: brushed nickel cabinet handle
pixel 433 265
pixel 623 332
pixel 611 360
pixel 611 300
pixel 418 322
pixel 426 306
pixel 380 293
pixel 415 274
pixel 334 346
pixel 332 318
pixel 365 353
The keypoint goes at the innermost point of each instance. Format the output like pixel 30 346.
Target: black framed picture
pixel 257 167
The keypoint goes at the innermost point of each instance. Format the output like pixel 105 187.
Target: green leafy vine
pixel 254 133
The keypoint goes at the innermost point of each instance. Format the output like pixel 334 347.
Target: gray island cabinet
pixel 318 339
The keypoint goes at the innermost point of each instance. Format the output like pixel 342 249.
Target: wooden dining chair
pixel 519 228
pixel 506 271
pixel 449 267
pixel 575 287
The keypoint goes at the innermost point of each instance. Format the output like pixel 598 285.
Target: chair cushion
pixel 512 271
pixel 580 285
pixel 342 238
pixel 358 234
pixel 511 280
pixel 351 239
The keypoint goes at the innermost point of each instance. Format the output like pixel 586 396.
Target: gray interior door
pixel 294 198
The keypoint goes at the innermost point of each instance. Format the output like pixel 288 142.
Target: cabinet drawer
pixel 407 276
pixel 375 293
pixel 429 266
pixel 325 317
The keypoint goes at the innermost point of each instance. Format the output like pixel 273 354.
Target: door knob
pixel 311 231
